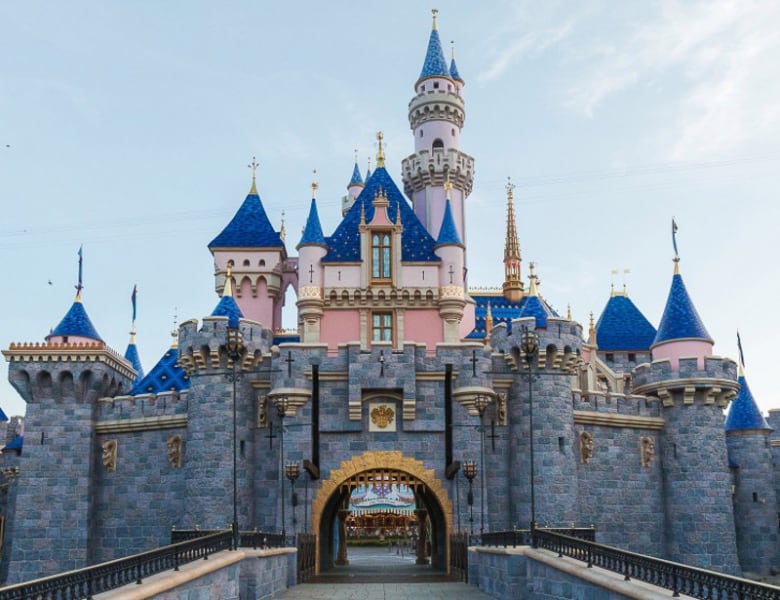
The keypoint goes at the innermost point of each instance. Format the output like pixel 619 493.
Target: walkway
pixel 376 574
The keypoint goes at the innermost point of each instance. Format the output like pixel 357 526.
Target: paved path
pixel 376 574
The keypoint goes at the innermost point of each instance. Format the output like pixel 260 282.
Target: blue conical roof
pixel 454 71
pixel 448 234
pixel 227 307
pixel 536 307
pixel 16 444
pixel 368 175
pixel 435 65
pixel 131 354
pixel 76 322
pixel 3 417
pixel 312 233
pixel 356 178
pixel 680 319
pixel 623 327
pixel 416 243
pixel 249 228
pixel 744 412
pixel 165 376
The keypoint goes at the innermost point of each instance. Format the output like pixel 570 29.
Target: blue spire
pixel 312 233
pixel 448 234
pixel 76 322
pixel 356 178
pixel 435 65
pixel 535 306
pixel 680 319
pixel 131 354
pixel 744 412
pixel 249 228
pixel 623 327
pixel 454 71
pixel 165 376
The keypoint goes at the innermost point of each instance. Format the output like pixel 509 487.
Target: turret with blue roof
pixel 312 232
pixel 131 353
pixel 754 498
pixel 448 233
pixel 435 64
pixel 166 376
pixel 534 305
pixel 622 327
pixel 76 325
pixel 454 68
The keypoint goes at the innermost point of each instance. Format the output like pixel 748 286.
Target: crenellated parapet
pixel 437 105
pixel 715 384
pixel 204 348
pixel 431 168
pixel 560 344
pixel 82 371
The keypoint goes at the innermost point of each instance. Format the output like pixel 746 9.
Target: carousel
pixel 381 511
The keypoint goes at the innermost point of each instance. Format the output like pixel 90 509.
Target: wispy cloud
pixel 723 55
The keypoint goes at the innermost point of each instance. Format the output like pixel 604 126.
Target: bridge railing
pixel 679 578
pixel 247 539
pixel 307 553
pixel 459 556
pixel 86 582
pixel 522 537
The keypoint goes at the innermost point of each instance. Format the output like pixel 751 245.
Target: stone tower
pixel 436 117
pixel 693 388
pixel 311 249
pixel 755 503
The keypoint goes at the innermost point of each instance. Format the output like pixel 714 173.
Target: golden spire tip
pixel 380 154
pixel 253 165
pixel 314 185
pixel 434 12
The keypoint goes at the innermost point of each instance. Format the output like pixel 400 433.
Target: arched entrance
pixel 388 466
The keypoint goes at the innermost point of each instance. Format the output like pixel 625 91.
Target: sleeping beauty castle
pixel 482 410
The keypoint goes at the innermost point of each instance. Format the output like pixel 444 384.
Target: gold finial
pixel 253 165
pixel 314 185
pixel 488 318
pixel 676 265
pixel 380 153
pixel 533 281
pixel 356 157
pixel 362 213
pixel 228 290
pixel 175 331
pixel 282 232
pixel 513 282
pixel 448 186
pixel 452 45
pixel 568 312
pixel 434 12
pixel 592 331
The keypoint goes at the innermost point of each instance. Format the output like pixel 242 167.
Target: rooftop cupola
pixel 513 283
pixel 75 326
pixel 681 332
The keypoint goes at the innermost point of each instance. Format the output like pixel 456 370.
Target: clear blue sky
pixel 128 127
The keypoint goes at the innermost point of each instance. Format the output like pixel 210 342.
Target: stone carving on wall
pixel 586 447
pixel 109 455
pixel 501 413
pixel 175 451
pixel 382 417
pixel 262 412
pixel 646 450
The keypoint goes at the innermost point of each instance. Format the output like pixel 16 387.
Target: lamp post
pixel 529 344
pixel 282 403
pixel 293 470
pixel 470 471
pixel 480 403
pixel 235 349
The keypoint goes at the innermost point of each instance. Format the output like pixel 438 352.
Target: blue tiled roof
pixel 356 178
pixel 744 412
pixel 3 417
pixel 249 228
pixel 16 443
pixel 227 307
pixel 368 175
pixel 534 306
pixel 434 64
pixel 454 71
pixel 448 234
pixel 416 243
pixel 131 354
pixel 286 338
pixel 680 319
pixel 622 326
pixel 76 322
pixel 312 233
pixel 165 376
pixel 501 310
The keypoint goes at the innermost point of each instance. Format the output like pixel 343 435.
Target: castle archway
pixel 331 501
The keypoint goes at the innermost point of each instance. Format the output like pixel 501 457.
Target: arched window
pixel 438 144
pixel 380 255
pixel 246 262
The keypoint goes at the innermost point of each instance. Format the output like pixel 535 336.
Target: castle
pixel 399 374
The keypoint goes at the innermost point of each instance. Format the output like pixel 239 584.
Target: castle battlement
pixel 140 408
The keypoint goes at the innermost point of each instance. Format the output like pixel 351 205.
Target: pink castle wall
pixel 678 349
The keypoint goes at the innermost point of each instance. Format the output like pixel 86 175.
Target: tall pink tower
pixel 436 116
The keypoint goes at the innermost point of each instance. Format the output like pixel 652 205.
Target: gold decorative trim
pixel 380 460
pixel 582 417
pixel 141 424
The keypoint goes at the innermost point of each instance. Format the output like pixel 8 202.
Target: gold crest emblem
pixel 382 416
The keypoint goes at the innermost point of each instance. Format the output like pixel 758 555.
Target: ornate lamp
pixel 470 471
pixel 293 470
